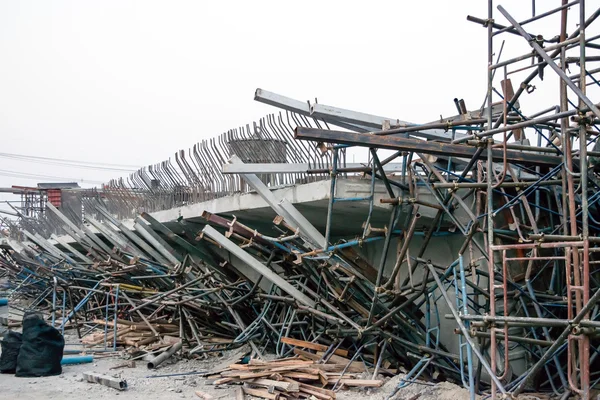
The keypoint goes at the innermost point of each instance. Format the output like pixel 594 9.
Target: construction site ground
pixel 70 383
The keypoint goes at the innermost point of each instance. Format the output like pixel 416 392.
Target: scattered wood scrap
pixel 304 375
pixel 203 395
pixel 128 364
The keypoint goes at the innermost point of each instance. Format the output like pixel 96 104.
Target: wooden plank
pixel 128 342
pixel 110 323
pixel 121 323
pixel 146 341
pixel 223 381
pixel 336 375
pixel 339 368
pixel 260 363
pixel 315 389
pixel 289 368
pixel 261 393
pixel 323 378
pixel 306 354
pixel 279 385
pixel 312 346
pixel 269 365
pixel 361 382
pixel 136 335
pixel 314 371
pixel 256 361
pixel 302 375
pixel 239 367
pixel 203 395
pixel 99 337
pixel 311 368
pixel 335 359
pixel 253 375
pixel 312 390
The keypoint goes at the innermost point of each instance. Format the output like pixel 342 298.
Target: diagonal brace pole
pixel 540 50
pixel 558 342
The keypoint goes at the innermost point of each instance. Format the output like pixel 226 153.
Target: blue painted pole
pixel 465 310
pixel 54 301
pixel 81 304
pixel 77 360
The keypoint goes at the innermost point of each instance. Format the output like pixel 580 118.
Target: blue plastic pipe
pixel 3 302
pixel 77 360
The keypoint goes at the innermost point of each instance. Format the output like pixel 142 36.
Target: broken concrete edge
pixel 106 380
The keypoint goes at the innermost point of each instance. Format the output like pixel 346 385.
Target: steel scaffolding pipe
pixel 513 192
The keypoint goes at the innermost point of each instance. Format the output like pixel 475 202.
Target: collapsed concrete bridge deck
pixel 461 249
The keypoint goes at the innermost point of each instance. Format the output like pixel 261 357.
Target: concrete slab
pixel 311 199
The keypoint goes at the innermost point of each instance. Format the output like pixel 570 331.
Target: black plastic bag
pixel 10 351
pixel 42 348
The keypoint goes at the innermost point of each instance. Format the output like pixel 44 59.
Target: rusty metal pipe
pixel 558 343
pixel 404 200
pixel 170 292
pixel 515 339
pixel 437 125
pixel 561 238
pixel 162 357
pixel 407 238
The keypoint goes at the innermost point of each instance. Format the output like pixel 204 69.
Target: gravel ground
pixel 70 384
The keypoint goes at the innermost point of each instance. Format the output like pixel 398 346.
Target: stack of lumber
pixel 310 372
pixel 131 334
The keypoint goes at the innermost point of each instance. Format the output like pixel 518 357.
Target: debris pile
pixel 129 303
pixel 462 250
pixel 306 374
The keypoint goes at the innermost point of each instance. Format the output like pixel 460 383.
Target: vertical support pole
pixel 331 199
pixel 64 307
pixel 584 362
pixel 55 283
pixel 490 202
pixel 115 317
pixel 564 122
pixel 106 318
pixel 465 311
pixel 68 292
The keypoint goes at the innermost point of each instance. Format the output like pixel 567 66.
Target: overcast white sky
pixel 131 82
